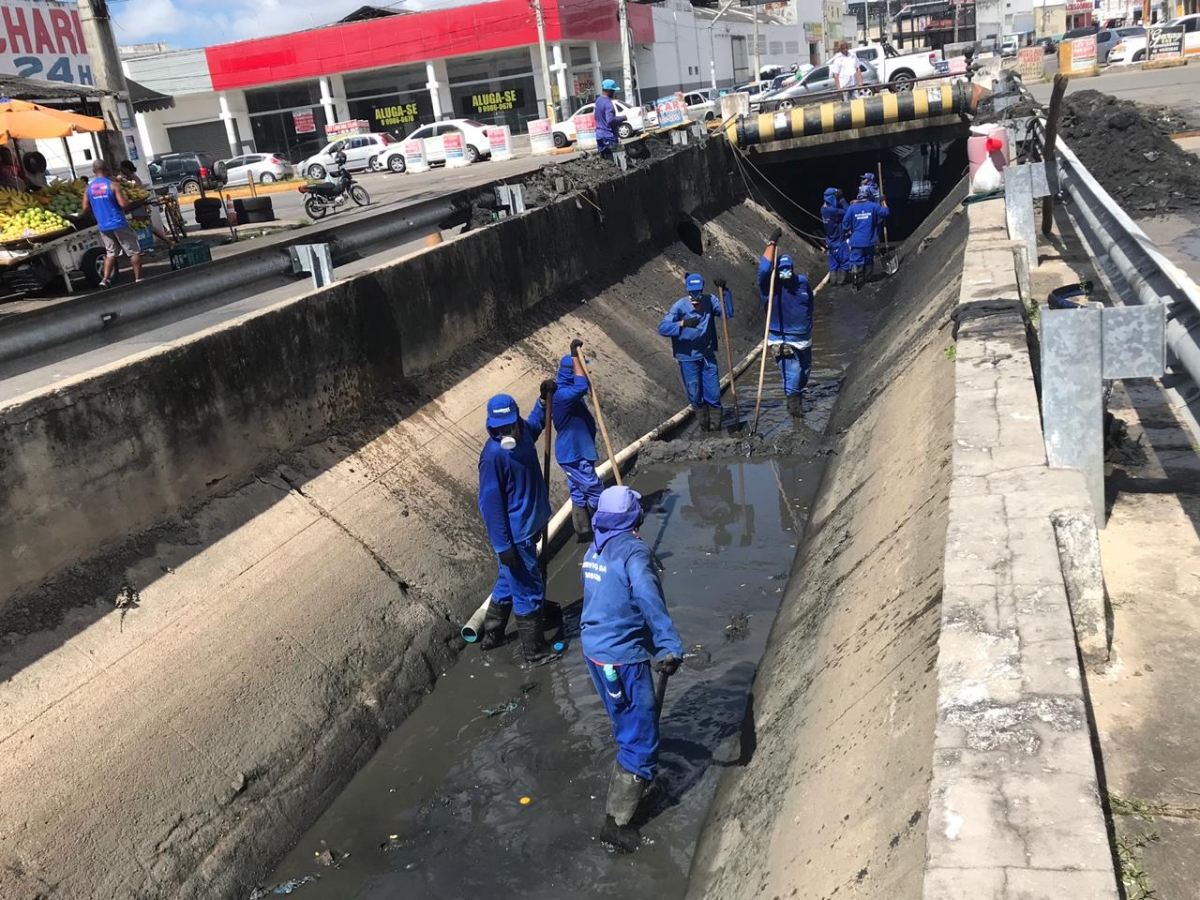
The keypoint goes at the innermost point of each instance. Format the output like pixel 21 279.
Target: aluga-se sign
pixel 43 39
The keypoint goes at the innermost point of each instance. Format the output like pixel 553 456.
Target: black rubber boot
pixel 533 641
pixel 494 624
pixel 581 521
pixel 705 418
pixel 795 406
pixel 552 616
pixel 624 794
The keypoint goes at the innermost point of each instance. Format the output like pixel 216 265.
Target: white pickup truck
pixel 898 70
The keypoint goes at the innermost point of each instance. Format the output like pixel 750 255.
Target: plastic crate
pixel 184 255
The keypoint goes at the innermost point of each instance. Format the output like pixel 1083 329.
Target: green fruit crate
pixel 184 255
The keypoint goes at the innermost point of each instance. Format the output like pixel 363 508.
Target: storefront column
pixel 231 130
pixel 439 89
pixel 337 85
pixel 539 90
pixel 327 100
pixel 559 68
pixel 597 69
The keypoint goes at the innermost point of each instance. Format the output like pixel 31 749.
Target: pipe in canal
pixel 472 630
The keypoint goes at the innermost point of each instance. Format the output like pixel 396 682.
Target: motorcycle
pixel 322 199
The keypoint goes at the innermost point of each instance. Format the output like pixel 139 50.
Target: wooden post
pixel 1052 118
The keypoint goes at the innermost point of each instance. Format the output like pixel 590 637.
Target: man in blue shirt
pixel 608 123
pixel 106 200
pixel 790 331
pixel 515 504
pixel 832 213
pixel 864 217
pixel 625 632
pixel 575 440
pixel 692 327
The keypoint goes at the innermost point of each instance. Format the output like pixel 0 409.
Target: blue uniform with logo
pixel 862 223
pixel 624 626
pixel 790 329
pixel 695 346
pixel 575 442
pixel 832 213
pixel 515 505
pixel 606 123
pixel 102 198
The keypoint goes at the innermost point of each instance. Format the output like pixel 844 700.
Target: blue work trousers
pixel 862 257
pixel 839 257
pixel 522 586
pixel 630 704
pixel 701 381
pixel 583 483
pixel 793 369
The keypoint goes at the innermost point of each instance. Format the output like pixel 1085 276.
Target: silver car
pixel 266 167
pixel 815 87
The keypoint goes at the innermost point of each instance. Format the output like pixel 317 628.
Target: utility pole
pixel 957 8
pixel 712 46
pixel 757 53
pixel 109 76
pixel 541 30
pixel 626 58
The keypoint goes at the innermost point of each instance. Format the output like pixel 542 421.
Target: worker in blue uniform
pixel 627 634
pixel 608 122
pixel 789 333
pixel 832 213
pixel 515 504
pixel 868 181
pixel 692 327
pixel 575 440
pixel 862 223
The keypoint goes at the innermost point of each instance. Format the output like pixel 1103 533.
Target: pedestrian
pixel 608 123
pixel 862 223
pixel 141 216
pixel 844 69
pixel 626 632
pixel 106 200
pixel 691 325
pixel 575 441
pixel 789 332
pixel 832 213
pixel 515 504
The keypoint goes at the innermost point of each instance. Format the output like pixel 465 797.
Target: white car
pixel 266 167
pixel 565 133
pixel 475 140
pixel 701 107
pixel 374 152
pixel 1132 48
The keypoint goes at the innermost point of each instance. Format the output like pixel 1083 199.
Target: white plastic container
pixel 987 142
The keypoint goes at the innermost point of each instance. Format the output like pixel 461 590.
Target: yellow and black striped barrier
pixel 960 98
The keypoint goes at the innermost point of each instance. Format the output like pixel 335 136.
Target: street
pixel 1178 87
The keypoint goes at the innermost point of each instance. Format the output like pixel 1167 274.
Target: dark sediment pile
pixel 800 441
pixel 1128 148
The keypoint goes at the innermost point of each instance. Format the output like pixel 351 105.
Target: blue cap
pixel 693 282
pixel 869 177
pixel 830 193
pixel 864 193
pixel 608 85
pixel 785 262
pixel 502 410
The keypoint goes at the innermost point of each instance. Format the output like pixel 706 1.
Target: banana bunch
pixel 14 201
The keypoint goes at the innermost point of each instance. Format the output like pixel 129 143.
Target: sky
pixel 189 23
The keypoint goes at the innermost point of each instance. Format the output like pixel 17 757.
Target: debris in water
pixel 293 884
pixel 127 598
pixel 511 706
pixel 739 625
pixel 525 801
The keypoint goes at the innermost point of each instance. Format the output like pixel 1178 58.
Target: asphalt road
pixel 1178 87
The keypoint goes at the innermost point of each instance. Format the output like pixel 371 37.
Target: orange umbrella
pixel 24 120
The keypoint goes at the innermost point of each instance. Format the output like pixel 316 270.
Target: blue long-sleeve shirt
pixel 625 618
pixel 832 216
pixel 862 222
pixel 699 341
pixel 512 491
pixel 792 311
pixel 607 120
pixel 573 422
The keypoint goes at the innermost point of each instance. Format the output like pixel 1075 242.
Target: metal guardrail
pixel 1131 262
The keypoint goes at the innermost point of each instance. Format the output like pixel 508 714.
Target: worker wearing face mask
pixel 862 223
pixel 789 334
pixel 515 504
pixel 691 324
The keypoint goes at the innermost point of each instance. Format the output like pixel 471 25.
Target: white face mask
pixel 508 442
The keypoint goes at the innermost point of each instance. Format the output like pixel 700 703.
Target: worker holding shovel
pixel 575 444
pixel 788 301
pixel 627 635
pixel 862 223
pixel 691 325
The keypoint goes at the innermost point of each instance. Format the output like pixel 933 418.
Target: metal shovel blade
pixel 891 265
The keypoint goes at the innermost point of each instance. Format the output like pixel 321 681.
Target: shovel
pixel 891 265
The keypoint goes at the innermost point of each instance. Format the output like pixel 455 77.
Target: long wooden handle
pixel 762 365
pixel 879 168
pixel 612 457
pixel 547 432
pixel 729 359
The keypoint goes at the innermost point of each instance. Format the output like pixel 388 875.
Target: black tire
pixel 902 82
pixel 473 154
pixel 257 218
pixel 189 186
pixel 316 172
pixel 709 116
pixel 396 163
pixel 207 204
pixel 209 224
pixel 266 178
pixel 252 204
pixel 784 105
pixel 314 209
pixel 359 195
pixel 92 266
pixel 625 131
pixel 221 169
pixel 560 140
pixel 1139 56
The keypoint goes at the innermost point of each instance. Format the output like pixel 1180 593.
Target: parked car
pixel 819 81
pixel 1008 46
pixel 1082 31
pixel 1132 49
pixel 898 69
pixel 475 139
pixel 189 171
pixel 1108 38
pixel 754 88
pixel 701 107
pixel 374 152
pixel 265 167
pixel 565 132
pixel 1048 45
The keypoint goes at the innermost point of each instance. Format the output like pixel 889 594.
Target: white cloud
pixel 186 24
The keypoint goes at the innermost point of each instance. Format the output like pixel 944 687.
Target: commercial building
pixel 398 70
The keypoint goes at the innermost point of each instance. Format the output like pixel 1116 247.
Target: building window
pixel 394 100
pixel 274 120
pixel 497 89
pixel 285 96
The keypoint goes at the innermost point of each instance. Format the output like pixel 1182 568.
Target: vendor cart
pixel 28 266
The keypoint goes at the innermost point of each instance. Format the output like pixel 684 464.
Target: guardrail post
pixel 313 258
pixel 1018 209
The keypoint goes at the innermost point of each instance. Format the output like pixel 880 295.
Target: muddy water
pixel 438 813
